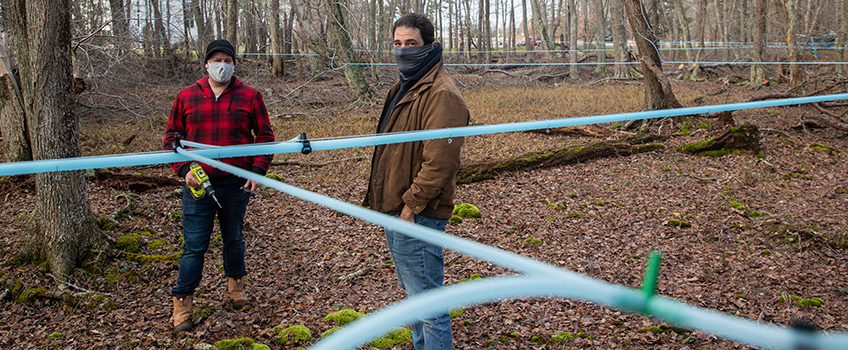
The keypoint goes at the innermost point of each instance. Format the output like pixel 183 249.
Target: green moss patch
pixel 736 205
pixel 240 344
pixel 455 220
pixel 129 243
pixel 474 276
pixel 200 314
pixel 817 147
pixel 141 258
pixel 396 337
pixel 678 223
pixel 176 215
pixel 330 331
pixel 533 242
pixel 811 302
pixel 466 210
pixel 104 223
pixel 344 316
pixel 29 295
pixel 274 177
pixel 737 139
pixel 458 312
pixel 296 333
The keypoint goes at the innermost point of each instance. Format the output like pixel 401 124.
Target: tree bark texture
pixel 600 21
pixel 655 96
pixel 758 74
pixel 276 47
pixel 622 55
pixel 232 22
pixel 13 123
pixel 62 230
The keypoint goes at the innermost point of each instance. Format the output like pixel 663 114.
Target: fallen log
pixel 560 156
pixel 741 138
pixel 585 130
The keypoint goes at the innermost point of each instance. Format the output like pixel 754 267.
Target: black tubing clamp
pixel 307 148
pixel 176 143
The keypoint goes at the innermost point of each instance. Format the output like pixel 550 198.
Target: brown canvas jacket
pixel 420 174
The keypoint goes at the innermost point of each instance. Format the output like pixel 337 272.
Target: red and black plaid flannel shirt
pixel 230 119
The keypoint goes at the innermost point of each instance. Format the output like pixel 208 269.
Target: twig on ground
pixel 775 130
pixel 78 287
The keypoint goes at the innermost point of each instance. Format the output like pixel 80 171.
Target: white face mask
pixel 220 71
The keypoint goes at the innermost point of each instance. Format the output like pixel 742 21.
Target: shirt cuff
pixel 184 169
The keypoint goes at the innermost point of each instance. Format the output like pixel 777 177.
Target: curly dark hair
pixel 415 20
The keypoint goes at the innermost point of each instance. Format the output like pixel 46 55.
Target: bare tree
pixel 757 75
pixel 232 22
pixel 276 48
pixel 683 22
pixel 353 73
pixel 600 21
pixel 789 11
pixel 619 40
pixel 13 124
pixel 61 229
pixel 658 94
pixel 119 18
pixel 572 38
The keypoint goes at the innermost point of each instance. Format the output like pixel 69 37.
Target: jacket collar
pixel 424 83
pixel 203 84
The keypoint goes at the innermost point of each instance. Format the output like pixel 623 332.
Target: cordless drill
pixel 205 186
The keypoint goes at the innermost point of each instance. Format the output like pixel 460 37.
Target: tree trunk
pixel 61 229
pixel 232 23
pixel 204 32
pixel 622 71
pixel 119 18
pixel 843 38
pixel 353 73
pixel 683 22
pixel 481 18
pixel 758 74
pixel 600 20
pixel 13 126
pixel 572 38
pixel 789 11
pixel 655 96
pixel 276 47
pixel 160 38
pixel 528 46
pixel 702 15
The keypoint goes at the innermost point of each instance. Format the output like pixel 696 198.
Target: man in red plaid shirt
pixel 216 110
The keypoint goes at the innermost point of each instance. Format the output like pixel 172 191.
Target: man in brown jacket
pixel 417 180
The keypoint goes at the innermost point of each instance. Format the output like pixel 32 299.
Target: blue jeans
pixel 198 221
pixel 420 267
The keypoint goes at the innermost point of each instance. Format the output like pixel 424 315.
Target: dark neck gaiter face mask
pixel 410 59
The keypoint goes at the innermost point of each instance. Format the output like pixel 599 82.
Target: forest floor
pixel 600 218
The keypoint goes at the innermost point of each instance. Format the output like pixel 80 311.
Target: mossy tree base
pixel 560 156
pixel 742 138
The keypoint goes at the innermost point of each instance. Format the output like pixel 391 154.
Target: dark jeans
pixel 198 221
pixel 420 267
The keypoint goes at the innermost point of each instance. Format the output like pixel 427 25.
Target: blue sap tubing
pixel 318 145
pixel 544 280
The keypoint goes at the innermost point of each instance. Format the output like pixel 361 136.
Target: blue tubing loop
pixel 78 163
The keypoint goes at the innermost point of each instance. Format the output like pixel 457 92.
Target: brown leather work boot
pixel 235 291
pixel 182 313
